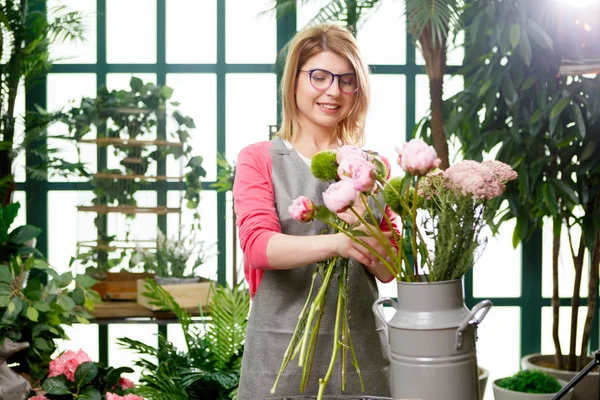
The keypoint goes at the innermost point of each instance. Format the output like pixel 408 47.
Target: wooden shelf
pixel 122 310
pixel 102 209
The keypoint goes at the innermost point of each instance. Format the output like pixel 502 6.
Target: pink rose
pixel 340 195
pixel 112 396
pixel 347 150
pixel 363 177
pixel 67 364
pixel 417 158
pixel 125 383
pixel 41 397
pixel 302 209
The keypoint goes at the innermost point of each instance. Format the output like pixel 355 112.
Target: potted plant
pixel 174 263
pixel 28 29
pixel 529 384
pixel 546 126
pixel 19 241
pixel 209 366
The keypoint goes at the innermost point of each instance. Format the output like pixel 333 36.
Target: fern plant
pixel 210 369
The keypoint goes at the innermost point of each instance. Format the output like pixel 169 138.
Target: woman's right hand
pixel 348 248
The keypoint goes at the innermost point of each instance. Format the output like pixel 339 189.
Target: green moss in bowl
pixel 530 381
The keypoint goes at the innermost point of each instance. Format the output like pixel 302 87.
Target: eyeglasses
pixel 321 79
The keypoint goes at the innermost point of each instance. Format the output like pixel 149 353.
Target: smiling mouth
pixel 329 107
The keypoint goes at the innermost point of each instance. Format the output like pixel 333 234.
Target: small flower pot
pixel 504 394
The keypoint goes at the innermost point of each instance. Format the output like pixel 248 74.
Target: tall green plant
pixel 430 23
pixel 210 368
pixel 26 30
pixel 547 127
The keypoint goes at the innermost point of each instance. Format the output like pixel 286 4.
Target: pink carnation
pixel 340 195
pixel 125 383
pixel 112 396
pixel 347 150
pixel 417 158
pixel 67 364
pixel 41 397
pixel 302 209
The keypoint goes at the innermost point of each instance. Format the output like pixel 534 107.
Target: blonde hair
pixel 307 43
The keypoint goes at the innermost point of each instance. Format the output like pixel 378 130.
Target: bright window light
pixel 579 3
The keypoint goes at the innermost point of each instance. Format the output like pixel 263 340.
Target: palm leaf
pixel 440 15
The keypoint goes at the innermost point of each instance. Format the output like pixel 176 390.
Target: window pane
pixel 197 95
pixel 501 325
pixel 251 36
pixel 66 226
pixel 498 255
pixel 76 52
pixel 564 330
pixel 81 336
pixel 19 161
pixel 566 271
pixel 385 23
pixel 65 91
pixel 20 197
pixel 131 31
pixel 121 81
pixel 248 121
pixel 119 356
pixel 191 22
pixel 386 121
pixel 208 234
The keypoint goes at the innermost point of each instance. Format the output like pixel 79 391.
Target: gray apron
pixel 282 294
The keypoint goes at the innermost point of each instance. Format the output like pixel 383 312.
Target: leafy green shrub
pixel 530 381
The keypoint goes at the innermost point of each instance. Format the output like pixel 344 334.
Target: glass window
pixel 452 85
pixel 501 325
pixel 251 32
pixel 123 357
pixel 566 271
pixel 67 226
pixel 208 220
pixel 131 31
pixel 81 336
pixel 386 122
pixel 382 36
pixel 19 196
pixel 197 95
pixel 65 91
pixel 191 31
pixel 498 255
pixel 80 51
pixel 251 108
pixel 19 161
pixel 564 329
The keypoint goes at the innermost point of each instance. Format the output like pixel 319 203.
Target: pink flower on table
pixel 41 397
pixel 302 209
pixel 125 383
pixel 340 195
pixel 112 396
pixel 67 364
pixel 347 150
pixel 417 158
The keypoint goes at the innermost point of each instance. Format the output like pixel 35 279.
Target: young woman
pixel 325 93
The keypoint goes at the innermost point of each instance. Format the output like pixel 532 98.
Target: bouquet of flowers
pixel 441 215
pixel 73 375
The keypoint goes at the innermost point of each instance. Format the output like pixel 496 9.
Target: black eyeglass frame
pixel 340 76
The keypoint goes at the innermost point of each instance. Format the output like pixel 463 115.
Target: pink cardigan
pixel 254 204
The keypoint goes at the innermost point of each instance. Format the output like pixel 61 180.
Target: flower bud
pixel 302 209
pixel 417 158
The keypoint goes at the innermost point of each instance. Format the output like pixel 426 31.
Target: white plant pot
pixel 504 394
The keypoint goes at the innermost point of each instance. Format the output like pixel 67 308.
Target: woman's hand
pixel 349 248
pixel 349 216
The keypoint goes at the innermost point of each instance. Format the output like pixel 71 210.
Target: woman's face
pixel 324 108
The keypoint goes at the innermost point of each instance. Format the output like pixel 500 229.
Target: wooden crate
pixel 187 295
pixel 120 285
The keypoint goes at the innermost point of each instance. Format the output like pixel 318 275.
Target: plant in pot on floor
pixel 547 127
pixel 209 367
pixel 529 384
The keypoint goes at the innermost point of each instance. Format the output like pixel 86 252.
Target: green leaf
pixel 41 306
pixel 510 94
pixel 529 82
pixel 550 198
pixel 559 107
pixel 56 385
pixel 43 345
pixel 136 83
pixel 78 296
pixel 82 320
pixel 485 87
pixel 15 306
pixel 85 373
pixel 90 394
pixel 566 190
pixel 64 279
pixel 539 35
pixel 66 303
pixel 7 216
pixel 5 274
pixel 579 120
pixel 525 48
pixel 515 35
pixel 24 234
pixel 85 281
pixel 32 314
pixel 166 92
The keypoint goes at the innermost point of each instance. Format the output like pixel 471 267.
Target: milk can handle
pixel 472 319
pixel 378 312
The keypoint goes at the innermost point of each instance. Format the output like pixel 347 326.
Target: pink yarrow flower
pixel 125 383
pixel 482 181
pixel 302 209
pixel 67 364
pixel 417 158
pixel 112 396
pixel 340 195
